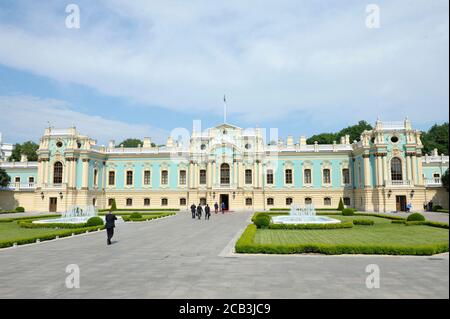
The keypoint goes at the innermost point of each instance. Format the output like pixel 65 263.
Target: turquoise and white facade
pixel 384 171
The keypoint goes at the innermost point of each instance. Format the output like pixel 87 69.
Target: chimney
pixel 169 141
pixel 147 142
pixel 302 140
pixel 290 140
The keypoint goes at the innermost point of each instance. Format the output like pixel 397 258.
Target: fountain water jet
pixel 303 215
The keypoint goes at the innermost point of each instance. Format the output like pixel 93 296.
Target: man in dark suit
pixel 109 225
pixel 193 210
pixel 207 211
pixel 199 211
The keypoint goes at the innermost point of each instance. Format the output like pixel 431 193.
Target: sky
pixel 142 68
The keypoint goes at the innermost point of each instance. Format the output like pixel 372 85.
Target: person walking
pixel 216 207
pixel 199 211
pixel 109 225
pixel 193 210
pixel 223 207
pixel 207 211
pixel 408 207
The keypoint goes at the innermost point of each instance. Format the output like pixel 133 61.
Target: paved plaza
pixel 177 257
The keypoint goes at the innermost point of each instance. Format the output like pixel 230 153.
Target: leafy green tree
pixel 354 131
pixel 4 178
pixel 436 137
pixel 444 179
pixel 324 138
pixel 131 142
pixel 28 148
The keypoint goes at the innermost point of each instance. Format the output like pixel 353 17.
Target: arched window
pixel 224 174
pixel 396 169
pixel 129 202
pixel 57 173
pixel 308 201
pixel 327 201
pixel 146 201
pixel 289 201
pixel 326 176
pixel 182 201
pixel 307 173
pixel 248 201
pixel 95 177
pixel 164 201
pixel 270 201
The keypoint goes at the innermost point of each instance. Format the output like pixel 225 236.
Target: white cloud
pixel 26 117
pixel 272 58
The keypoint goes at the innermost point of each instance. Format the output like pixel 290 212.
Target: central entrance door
pixel 53 204
pixel 400 203
pixel 224 199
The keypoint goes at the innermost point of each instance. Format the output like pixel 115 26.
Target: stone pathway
pixel 177 257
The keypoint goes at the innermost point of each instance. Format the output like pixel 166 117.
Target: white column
pixel 260 175
pixel 85 180
pixel 254 175
pixel 214 173
pixel 46 165
pixel 208 175
pixel 191 177
pixel 408 168
pixel 380 171
pixel 240 170
pixel 235 175
pixel 414 169
pixel 196 175
pixel 367 171
pixel 420 169
pixel 385 171
pixel 40 176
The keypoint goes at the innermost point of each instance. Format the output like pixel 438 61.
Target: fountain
pixel 303 215
pixel 74 215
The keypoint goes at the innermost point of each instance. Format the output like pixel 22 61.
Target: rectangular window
pixel 307 176
pixel 183 177
pixel 346 176
pixel 270 201
pixel 248 176
pixel 146 201
pixel 202 177
pixel 347 201
pixel 111 178
pixel 147 178
pixel 31 179
pixel 182 201
pixel 110 201
pixel 164 202
pixel 17 179
pixel 327 201
pixel 248 201
pixel 164 177
pixel 270 176
pixel 129 202
pixel 129 177
pixel 326 176
pixel 288 176
pixel 95 177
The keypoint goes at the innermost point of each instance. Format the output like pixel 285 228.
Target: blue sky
pixel 141 68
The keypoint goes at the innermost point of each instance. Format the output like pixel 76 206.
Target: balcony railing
pixel 52 186
pixel 433 182
pixel 405 183
pixel 20 186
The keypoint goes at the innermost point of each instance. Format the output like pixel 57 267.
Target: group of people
pixel 197 211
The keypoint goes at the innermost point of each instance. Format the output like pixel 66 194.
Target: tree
pixel 341 205
pixel 436 137
pixel 113 205
pixel 323 138
pixel 28 148
pixel 131 142
pixel 354 131
pixel 444 180
pixel 4 178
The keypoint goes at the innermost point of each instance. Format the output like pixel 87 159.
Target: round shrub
pixel 135 215
pixel 363 221
pixel 20 209
pixel 262 221
pixel 94 221
pixel 436 208
pixel 416 217
pixel 348 212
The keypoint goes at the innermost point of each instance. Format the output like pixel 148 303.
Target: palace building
pixel 382 172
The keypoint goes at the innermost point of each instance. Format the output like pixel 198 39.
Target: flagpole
pixel 224 109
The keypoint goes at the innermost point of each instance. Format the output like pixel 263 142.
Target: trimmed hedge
pixel 442 211
pixel 262 221
pixel 20 209
pixel 135 215
pixel 12 219
pixel 126 218
pixel 245 245
pixel 415 217
pixel 348 212
pixel 363 221
pixel 312 226
pixel 397 221
pixel 317 209
pixel 29 224
pixel 427 223
pixel 94 221
pixel 437 208
pixel 142 210
pixel 62 233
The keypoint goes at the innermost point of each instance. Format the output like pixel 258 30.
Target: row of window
pixel 248 201
pixel 30 179
pixel 225 176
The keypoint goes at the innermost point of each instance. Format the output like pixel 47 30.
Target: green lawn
pixel 12 231
pixel 382 232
